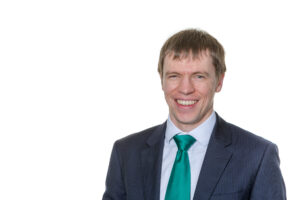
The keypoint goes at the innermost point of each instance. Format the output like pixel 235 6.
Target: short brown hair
pixel 194 41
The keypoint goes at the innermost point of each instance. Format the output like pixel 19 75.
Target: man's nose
pixel 186 86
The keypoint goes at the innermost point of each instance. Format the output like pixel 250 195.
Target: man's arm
pixel 269 184
pixel 114 182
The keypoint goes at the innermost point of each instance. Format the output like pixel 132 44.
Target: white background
pixel 77 75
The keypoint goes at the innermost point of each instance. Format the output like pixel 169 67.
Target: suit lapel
pixel 216 159
pixel 151 161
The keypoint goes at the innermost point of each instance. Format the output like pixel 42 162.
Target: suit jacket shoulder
pixel 239 134
pixel 142 139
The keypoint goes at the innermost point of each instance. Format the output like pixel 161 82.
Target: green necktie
pixel 179 186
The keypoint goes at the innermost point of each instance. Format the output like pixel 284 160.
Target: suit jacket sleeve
pixel 114 182
pixel 269 184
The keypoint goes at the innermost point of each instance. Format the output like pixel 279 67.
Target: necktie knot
pixel 184 142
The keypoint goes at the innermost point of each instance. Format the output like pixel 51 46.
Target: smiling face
pixel 189 85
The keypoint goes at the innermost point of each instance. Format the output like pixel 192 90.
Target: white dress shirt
pixel 196 152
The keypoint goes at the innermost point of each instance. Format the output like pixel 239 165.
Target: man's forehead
pixel 190 55
pixel 189 63
pixel 187 56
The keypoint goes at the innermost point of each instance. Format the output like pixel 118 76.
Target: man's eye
pixel 200 76
pixel 173 76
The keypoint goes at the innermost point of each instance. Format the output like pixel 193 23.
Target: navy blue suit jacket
pixel 238 165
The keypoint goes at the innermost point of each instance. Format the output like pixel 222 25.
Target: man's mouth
pixel 186 102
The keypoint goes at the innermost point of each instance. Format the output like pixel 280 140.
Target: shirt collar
pixel 201 133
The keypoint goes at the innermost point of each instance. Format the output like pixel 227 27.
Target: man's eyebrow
pixel 195 73
pixel 170 72
pixel 205 73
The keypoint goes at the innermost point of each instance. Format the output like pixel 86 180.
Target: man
pixel 195 154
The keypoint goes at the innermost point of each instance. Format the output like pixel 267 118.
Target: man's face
pixel 189 85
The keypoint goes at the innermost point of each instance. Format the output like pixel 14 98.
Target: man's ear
pixel 220 82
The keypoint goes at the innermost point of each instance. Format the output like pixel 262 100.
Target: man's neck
pixel 190 126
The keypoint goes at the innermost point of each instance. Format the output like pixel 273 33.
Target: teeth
pixel 186 103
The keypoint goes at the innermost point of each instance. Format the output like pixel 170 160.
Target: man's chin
pixel 189 120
